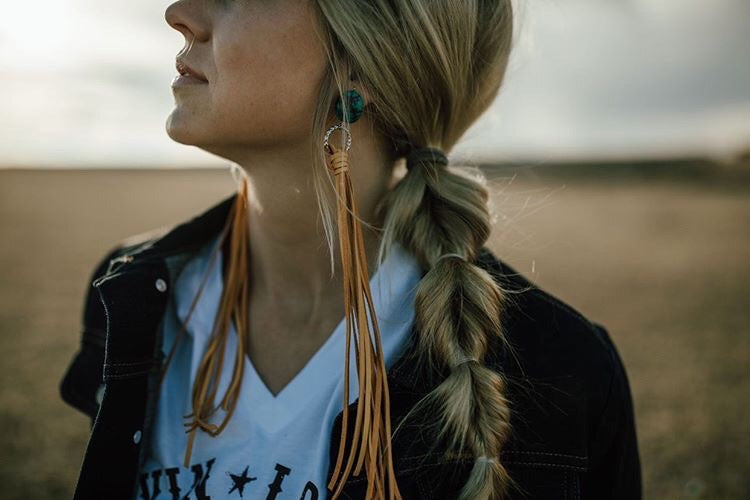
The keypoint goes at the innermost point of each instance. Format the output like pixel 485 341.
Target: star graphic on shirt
pixel 240 481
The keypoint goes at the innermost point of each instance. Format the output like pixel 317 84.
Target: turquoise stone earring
pixel 355 106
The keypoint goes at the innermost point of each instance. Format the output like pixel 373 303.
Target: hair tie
pixel 486 459
pixel 425 154
pixel 463 360
pixel 456 255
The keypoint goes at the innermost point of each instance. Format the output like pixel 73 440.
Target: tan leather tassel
pixel 234 301
pixel 371 444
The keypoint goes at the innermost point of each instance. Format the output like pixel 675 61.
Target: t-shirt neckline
pixel 322 372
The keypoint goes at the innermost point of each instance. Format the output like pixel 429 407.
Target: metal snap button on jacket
pixel 137 437
pixel 161 285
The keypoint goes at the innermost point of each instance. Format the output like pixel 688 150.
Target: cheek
pixel 266 87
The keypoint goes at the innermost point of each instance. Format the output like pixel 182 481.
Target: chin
pixel 193 136
pixel 180 131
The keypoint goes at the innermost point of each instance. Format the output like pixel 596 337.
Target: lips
pixel 184 69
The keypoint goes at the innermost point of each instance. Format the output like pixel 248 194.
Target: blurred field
pixel 664 265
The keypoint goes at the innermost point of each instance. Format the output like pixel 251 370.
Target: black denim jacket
pixel 573 429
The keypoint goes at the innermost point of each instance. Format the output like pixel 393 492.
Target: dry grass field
pixel 664 265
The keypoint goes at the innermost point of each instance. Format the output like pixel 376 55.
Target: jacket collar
pixel 179 242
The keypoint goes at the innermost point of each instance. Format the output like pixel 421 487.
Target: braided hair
pixel 431 69
pixel 438 213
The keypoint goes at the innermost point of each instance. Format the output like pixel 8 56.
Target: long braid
pixel 434 211
pixel 430 70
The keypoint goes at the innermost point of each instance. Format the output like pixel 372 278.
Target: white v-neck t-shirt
pixel 273 446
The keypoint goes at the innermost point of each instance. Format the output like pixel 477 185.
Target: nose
pixel 185 16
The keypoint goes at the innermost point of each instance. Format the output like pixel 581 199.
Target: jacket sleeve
pixel 82 384
pixel 614 461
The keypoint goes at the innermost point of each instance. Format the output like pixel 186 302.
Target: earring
pixel 355 106
pixel 371 444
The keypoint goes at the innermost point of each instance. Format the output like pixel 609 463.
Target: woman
pixel 463 379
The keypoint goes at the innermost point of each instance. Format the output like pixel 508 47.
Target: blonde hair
pixel 431 68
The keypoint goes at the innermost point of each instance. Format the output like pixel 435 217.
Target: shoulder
pixel 565 375
pixel 572 411
pixel 126 246
pixel 82 380
pixel 94 318
pixel 552 338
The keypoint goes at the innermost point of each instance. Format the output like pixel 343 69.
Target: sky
pixel 87 83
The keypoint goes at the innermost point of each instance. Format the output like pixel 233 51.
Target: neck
pixel 290 268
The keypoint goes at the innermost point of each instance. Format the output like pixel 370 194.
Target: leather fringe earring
pixel 233 306
pixel 371 443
